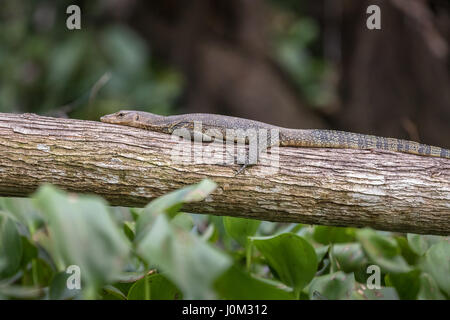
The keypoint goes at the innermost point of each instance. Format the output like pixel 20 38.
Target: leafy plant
pixel 160 252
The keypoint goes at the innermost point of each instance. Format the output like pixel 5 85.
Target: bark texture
pixel 130 167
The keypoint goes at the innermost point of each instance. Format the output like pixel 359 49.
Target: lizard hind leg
pixel 260 150
pixel 242 166
pixel 247 162
pixel 253 161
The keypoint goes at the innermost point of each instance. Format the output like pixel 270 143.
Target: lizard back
pixel 314 138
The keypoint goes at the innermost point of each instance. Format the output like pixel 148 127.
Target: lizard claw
pixel 241 169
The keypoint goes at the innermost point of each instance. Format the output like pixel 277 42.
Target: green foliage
pixel 428 288
pixel 292 258
pixel 240 229
pixel 436 261
pixel 238 284
pixel 348 257
pixel 326 235
pixel 407 284
pixel 160 252
pixel 105 66
pixel 77 223
pixel 97 70
pixel 11 248
pixel 333 286
pixel 292 41
pixel 154 287
pixel 383 251
pixel 190 263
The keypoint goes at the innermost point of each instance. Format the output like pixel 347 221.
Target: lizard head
pixel 137 119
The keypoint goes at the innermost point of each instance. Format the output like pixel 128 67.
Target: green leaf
pixel 112 293
pixel 184 221
pixel 59 290
pixel 410 256
pixel 30 251
pixel 327 235
pixel 21 292
pixel 236 284
pixel 240 229
pixel 361 292
pixel 348 257
pixel 321 251
pixel 429 290
pixel 171 203
pixel 154 287
pixel 128 229
pixel 382 251
pixel 23 210
pixel 420 243
pixel 292 257
pixel 127 279
pixel 333 286
pixel 83 233
pixel 39 273
pixel 437 264
pixel 189 262
pixel 407 284
pixel 135 213
pixel 10 247
pixel 417 243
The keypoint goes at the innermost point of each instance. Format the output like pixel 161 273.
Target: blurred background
pixel 294 63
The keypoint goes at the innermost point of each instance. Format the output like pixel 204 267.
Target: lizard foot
pixel 243 167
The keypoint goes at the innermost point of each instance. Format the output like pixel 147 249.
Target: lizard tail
pixel 342 139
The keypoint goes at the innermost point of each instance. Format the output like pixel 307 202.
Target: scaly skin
pixel 287 137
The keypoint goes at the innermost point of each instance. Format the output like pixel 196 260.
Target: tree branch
pixel 130 167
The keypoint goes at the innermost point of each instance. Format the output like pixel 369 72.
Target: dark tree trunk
pixel 395 81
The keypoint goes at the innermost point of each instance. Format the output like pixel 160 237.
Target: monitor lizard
pixel 314 138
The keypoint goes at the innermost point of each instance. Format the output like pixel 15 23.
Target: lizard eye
pixel 137 117
pixel 120 114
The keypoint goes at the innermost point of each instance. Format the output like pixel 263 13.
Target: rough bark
pixel 130 167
